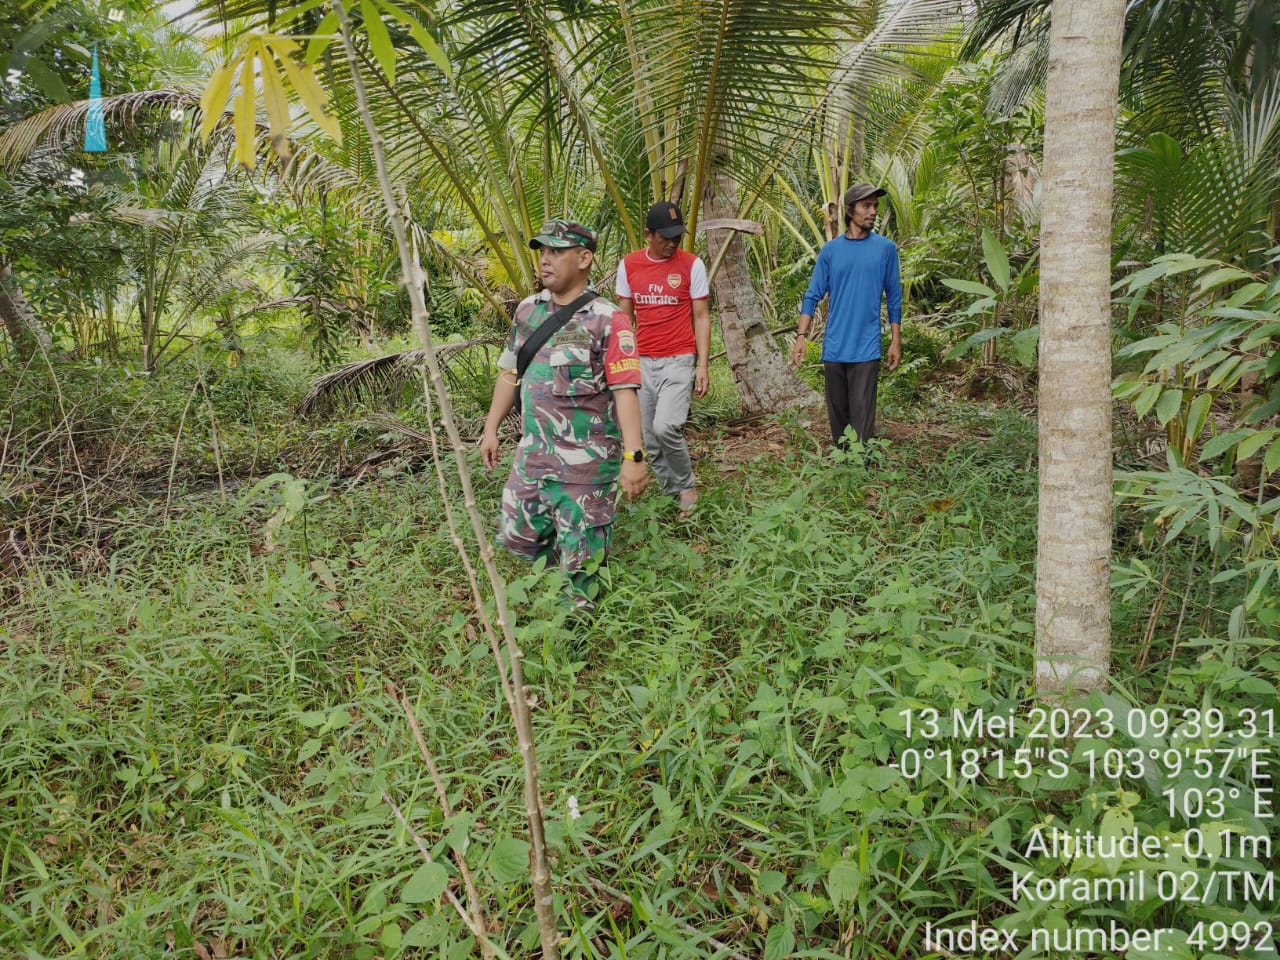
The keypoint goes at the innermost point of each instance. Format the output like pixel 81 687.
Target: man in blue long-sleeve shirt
pixel 856 270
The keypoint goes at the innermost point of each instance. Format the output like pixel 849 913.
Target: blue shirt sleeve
pixel 818 284
pixel 893 285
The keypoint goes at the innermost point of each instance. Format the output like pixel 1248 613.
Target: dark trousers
pixel 851 397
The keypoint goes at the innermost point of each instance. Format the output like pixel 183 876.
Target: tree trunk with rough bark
pixel 1073 566
pixel 24 327
pixel 765 378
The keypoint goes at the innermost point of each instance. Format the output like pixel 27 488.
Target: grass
pixel 195 740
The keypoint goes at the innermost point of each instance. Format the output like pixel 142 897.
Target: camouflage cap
pixel 564 233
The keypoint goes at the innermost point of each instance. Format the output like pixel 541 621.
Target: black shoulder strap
pixel 548 330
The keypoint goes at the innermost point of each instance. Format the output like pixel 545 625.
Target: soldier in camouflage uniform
pixel 581 416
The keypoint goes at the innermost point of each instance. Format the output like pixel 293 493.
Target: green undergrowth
pixel 197 745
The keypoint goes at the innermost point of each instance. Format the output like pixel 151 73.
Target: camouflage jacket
pixel 570 431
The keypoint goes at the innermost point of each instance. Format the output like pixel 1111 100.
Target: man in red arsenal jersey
pixel 664 289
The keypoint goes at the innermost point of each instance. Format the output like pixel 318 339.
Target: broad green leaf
pixel 969 286
pixel 296 11
pixel 844 880
pixel 1148 345
pixel 771 882
pixel 1115 822
pixel 1166 266
pixel 379 39
pixel 1227 373
pixel 830 801
pixel 1247 294
pixel 1127 388
pixel 419 33
pixel 1221 276
pixel 997 260
pixel 1217 446
pixel 46 81
pixel 881 778
pixel 1271 463
pixel 325 34
pixel 978 306
pixel 1260 335
pixel 1147 399
pixel 1258 686
pixel 509 860
pixel 1197 414
pixel 427 883
pixel 457 832
pixel 427 932
pixel 1235 623
pixel 825 706
pixel 391 936
pixel 1168 405
pixel 1024 344
pixel 974 340
pixel 1002 834
pixel 1027 282
pixel 1251 445
pixel 1236 313
pixel 780 942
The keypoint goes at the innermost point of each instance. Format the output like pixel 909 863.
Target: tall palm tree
pixel 1073 566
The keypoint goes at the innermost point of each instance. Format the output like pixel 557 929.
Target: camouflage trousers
pixel 567 523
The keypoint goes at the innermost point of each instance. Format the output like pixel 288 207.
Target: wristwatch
pixel 636 456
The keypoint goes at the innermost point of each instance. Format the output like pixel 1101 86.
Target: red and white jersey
pixel 663 292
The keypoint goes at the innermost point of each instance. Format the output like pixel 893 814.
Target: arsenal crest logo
pixel 673 281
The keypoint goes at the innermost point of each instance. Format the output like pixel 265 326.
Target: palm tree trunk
pixel 25 329
pixel 1073 569
pixel 766 381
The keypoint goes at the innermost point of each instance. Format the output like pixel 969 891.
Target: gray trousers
pixel 666 387
pixel 851 398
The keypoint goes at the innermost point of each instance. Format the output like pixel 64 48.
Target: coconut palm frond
pixel 128 215
pixel 1022 72
pixel 1210 201
pixel 1255 121
pixel 379 377
pixel 382 378
pixel 1015 22
pixel 62 126
pixel 224 268
pixel 901 55
pixel 391 424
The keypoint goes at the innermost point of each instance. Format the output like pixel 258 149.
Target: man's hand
pixel 504 399
pixel 489 449
pixel 635 477
pixel 893 356
pixel 701 380
pixel 798 349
